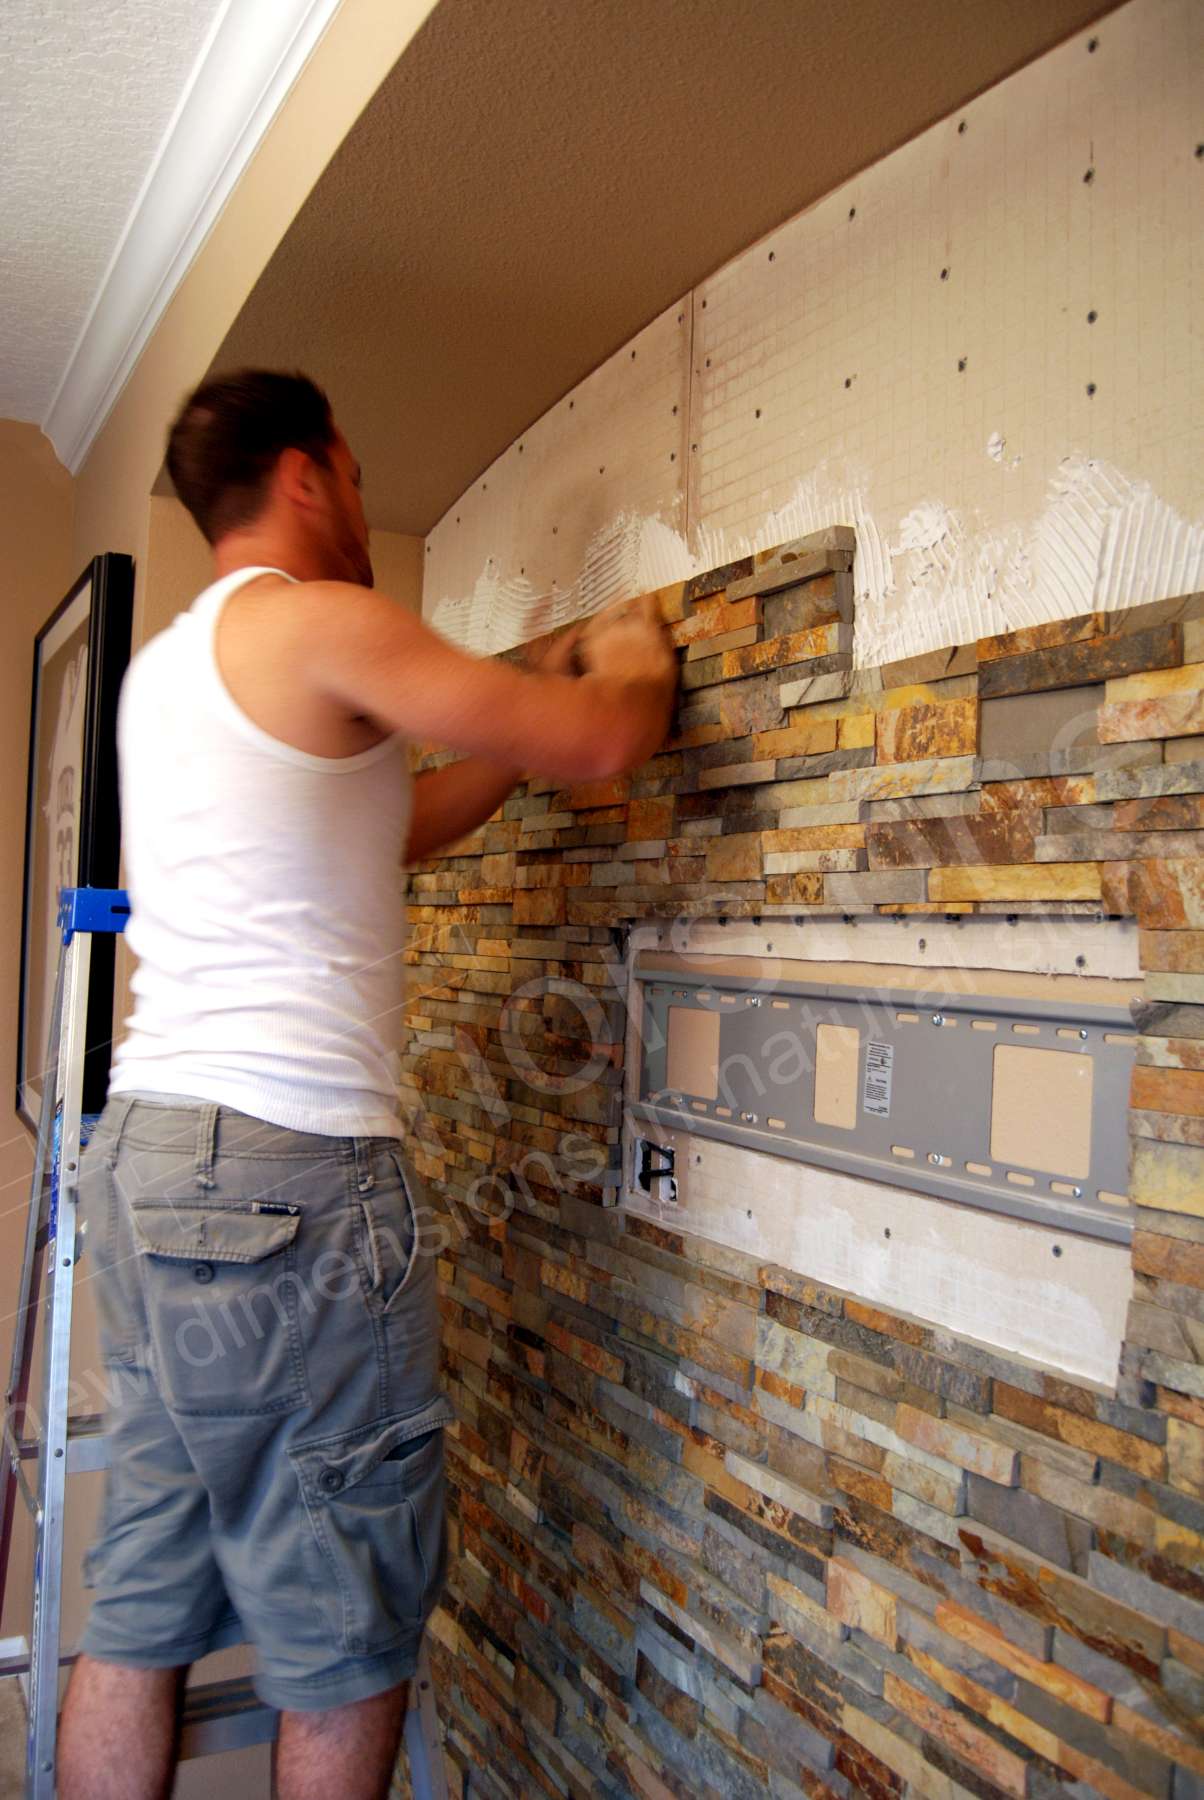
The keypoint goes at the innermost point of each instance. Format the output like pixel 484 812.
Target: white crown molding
pixel 253 54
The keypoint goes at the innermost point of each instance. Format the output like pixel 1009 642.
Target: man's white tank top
pixel 267 896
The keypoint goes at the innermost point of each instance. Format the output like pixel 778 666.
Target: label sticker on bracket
pixel 879 1063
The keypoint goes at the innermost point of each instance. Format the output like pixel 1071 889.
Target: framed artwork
pixel 72 827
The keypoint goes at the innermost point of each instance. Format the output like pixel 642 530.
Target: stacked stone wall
pixel 718 1530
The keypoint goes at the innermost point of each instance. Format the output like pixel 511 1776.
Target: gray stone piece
pixel 809 690
pixel 876 886
pixel 1088 760
pixel 1029 724
pixel 782 1738
pixel 925 806
pixel 827 762
pixel 1117 846
pixel 1142 1767
pixel 1055 1536
pixel 1146 782
pixel 1134 1589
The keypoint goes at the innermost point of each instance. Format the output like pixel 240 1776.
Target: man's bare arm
pixel 450 803
pixel 378 659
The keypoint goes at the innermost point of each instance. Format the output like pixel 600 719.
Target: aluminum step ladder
pixel 223 1715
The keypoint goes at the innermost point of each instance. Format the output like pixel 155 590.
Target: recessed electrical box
pixel 654 1164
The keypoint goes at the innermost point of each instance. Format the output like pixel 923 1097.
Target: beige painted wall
pixel 35 529
pixel 178 565
pixel 364 40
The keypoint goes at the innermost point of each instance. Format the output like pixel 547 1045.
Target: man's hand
pixel 631 641
pixel 557 655
pixel 629 645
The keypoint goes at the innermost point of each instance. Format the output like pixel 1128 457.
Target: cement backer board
pixel 993 1279
pixel 1031 946
pixel 958 353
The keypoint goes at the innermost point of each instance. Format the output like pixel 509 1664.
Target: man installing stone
pixel 268 1318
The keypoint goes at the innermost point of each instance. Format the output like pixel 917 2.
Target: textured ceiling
pixel 87 91
pixel 535 181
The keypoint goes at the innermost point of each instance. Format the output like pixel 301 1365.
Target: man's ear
pixel 295 479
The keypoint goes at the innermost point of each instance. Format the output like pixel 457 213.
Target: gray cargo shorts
pixel 270 1334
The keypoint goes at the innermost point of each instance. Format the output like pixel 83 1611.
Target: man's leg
pixel 119 1732
pixel 350 1750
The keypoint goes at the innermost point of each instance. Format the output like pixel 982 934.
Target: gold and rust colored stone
pixel 917 733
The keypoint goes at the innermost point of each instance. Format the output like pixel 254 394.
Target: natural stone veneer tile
pixel 1167 896
pixel 927 806
pixel 794 862
pixel 875 885
pixel 698 587
pixel 1170 716
pixel 855 732
pixel 797 647
pixel 927 843
pixel 931 665
pixel 966 1449
pixel 744 1664
pixel 737 775
pixel 1134 1589
pixel 1168 812
pixel 776 1487
pixel 1167 1177
pixel 859 1602
pixel 753 704
pixel 969 1743
pixel 1080 629
pixel 1157 682
pixel 789 565
pixel 794 890
pixel 945 775
pixel 1024 881
pixel 1020 725
pixel 824 602
pixel 713 622
pixel 727 640
pixel 919 733
pixel 975 1632
pixel 1177 951
pixel 1071 665
pixel 824 836
pixel 809 690
pixel 845 812
pixel 734 858
pixel 808 737
pixel 1144 783
pixel 1116 846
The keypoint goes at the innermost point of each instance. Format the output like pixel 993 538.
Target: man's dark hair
pixel 229 435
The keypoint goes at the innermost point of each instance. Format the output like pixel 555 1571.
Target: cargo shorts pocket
pixel 222 1298
pixel 377 1540
pixel 391 1239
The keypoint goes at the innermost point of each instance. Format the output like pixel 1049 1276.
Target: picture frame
pixel 72 819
